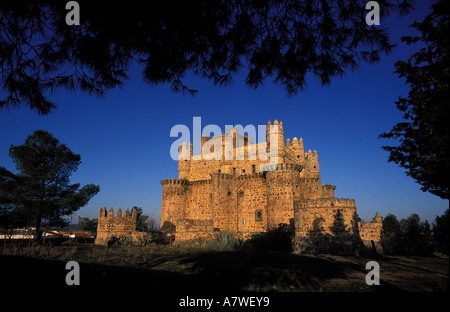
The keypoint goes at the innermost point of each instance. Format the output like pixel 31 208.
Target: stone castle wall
pixel 109 225
pixel 371 231
pixel 319 215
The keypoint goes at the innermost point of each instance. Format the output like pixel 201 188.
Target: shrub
pixel 120 241
pixel 143 241
pixel 279 239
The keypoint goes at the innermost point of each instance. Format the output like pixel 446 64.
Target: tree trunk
pixel 38 237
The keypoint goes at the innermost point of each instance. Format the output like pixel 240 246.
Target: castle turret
pixel 312 164
pixel 276 132
pixel 283 189
pixel 184 160
pixel 297 147
pixel 268 128
pixel 281 150
pixel 173 202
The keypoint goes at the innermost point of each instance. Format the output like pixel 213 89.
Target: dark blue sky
pixel 124 140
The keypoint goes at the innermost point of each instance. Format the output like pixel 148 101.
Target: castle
pixel 241 191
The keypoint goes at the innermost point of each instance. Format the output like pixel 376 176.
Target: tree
pixel 423 136
pixel 415 236
pixel 390 234
pixel 339 228
pixel 41 190
pixel 213 39
pixel 441 233
pixel 88 225
pixel 141 219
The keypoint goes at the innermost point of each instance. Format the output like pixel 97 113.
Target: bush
pixel 120 241
pixel 225 240
pixel 143 241
pixel 279 240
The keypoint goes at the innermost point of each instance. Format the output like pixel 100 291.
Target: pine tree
pixel 423 136
pixel 41 190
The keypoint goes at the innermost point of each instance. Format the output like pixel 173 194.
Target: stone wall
pixel 330 225
pixel 109 225
pixel 312 215
pixel 371 231
pixel 188 229
pixel 326 225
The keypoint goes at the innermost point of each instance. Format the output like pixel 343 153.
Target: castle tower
pixel 184 160
pixel 173 202
pixel 268 128
pixel 312 164
pixel 283 189
pixel 276 129
pixel 297 146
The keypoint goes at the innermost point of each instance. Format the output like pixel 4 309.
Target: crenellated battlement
pixel 281 167
pixel 110 225
pixel 175 182
pixel 325 203
pixel 227 176
pixel 103 214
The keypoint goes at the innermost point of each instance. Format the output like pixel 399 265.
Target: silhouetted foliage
pixel 410 236
pixel 423 136
pixel 391 235
pixel 339 228
pixel 341 238
pixel 416 239
pixel 441 232
pixel 41 190
pixel 213 39
pixel 88 225
pixel 278 239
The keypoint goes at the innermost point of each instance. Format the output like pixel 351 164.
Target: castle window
pixel 234 170
pixel 243 170
pixel 258 215
pixel 243 221
pixel 220 171
pixel 253 169
pixel 241 195
pixel 229 194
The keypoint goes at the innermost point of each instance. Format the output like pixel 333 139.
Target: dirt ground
pixel 166 268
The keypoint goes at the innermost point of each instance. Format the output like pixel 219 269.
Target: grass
pixel 203 268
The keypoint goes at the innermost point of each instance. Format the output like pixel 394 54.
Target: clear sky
pixel 124 140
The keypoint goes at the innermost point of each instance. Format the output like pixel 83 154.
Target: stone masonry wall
pixel 109 225
pixel 188 229
pixel 313 215
pixel 371 231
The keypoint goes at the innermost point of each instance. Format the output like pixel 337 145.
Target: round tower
pixel 283 189
pixel 184 160
pixel 275 141
pixel 173 203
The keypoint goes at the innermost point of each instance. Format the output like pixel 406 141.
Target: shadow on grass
pixel 215 271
